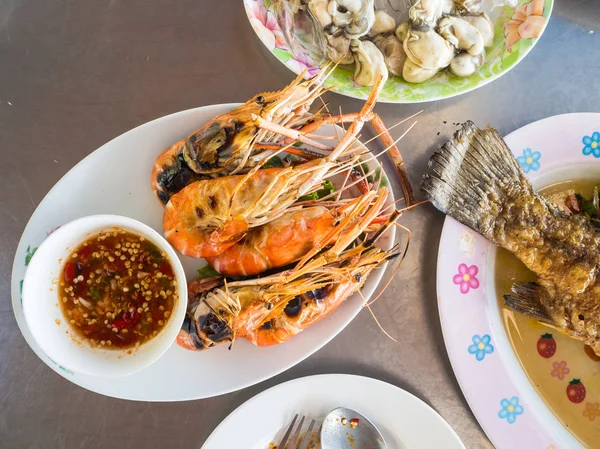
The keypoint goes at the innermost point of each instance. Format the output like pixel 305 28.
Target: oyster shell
pixel 369 62
pixel 461 34
pixel 467 6
pixel 384 23
pixel 318 9
pixel 393 53
pixel 485 26
pixel 338 49
pixel 402 31
pixel 428 50
pixel 426 13
pixel 415 74
pixel 465 64
pixel 355 17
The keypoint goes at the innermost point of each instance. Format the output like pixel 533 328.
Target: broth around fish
pixel 555 364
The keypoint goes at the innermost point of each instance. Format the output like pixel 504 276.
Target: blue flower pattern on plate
pixel 481 346
pixel 510 409
pixel 530 161
pixel 592 145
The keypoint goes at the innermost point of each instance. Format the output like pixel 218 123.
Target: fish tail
pixel 473 175
pixel 528 298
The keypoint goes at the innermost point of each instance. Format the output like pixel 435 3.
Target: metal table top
pixel 76 74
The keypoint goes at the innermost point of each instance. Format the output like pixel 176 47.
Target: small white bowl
pixel 51 329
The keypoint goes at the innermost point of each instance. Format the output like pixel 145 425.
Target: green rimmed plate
pixel 516 32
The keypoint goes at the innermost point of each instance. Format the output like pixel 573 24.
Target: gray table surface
pixel 75 74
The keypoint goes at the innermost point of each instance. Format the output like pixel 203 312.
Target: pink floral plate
pixel 534 388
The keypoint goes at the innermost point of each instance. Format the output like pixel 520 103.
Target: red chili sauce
pixel 117 290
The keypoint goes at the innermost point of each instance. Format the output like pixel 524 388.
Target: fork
pixel 290 441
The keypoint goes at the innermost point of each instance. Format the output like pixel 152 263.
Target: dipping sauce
pixel 117 290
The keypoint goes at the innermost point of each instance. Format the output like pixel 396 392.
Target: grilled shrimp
pixel 209 216
pixel 291 236
pixel 234 141
pixel 272 309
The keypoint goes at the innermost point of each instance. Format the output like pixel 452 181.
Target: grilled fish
pixel 477 181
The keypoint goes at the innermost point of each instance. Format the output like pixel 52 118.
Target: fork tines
pixel 290 441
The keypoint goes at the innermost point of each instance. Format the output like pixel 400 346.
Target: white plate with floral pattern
pixel 516 31
pixel 115 179
pixel 494 382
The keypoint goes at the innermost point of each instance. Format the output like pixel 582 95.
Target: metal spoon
pixel 345 428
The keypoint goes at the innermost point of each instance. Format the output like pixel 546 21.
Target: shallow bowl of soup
pixel 105 295
pixel 528 383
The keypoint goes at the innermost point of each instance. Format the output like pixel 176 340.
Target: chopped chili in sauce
pixel 117 290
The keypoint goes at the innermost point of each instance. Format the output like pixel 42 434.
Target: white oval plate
pixel 496 387
pixel 405 421
pixel 115 179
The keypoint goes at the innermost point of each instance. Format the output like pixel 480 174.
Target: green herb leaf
pixel 364 168
pixel 164 281
pixel 327 189
pixel 154 252
pixel 310 197
pixel 207 272
pixel 588 207
pixel 273 162
pixel 95 293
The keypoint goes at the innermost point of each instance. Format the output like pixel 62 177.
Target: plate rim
pixel 458 92
pixel 329 377
pixel 468 393
pixel 67 374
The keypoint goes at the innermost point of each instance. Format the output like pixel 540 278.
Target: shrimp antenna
pixel 328 65
pixel 393 126
pixel 368 306
pixel 373 155
pixel 376 155
pixel 392 220
pixel 293 134
pixel 254 170
pixel 319 111
pixel 398 265
pixel 347 186
pixel 404 209
pixel 342 122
